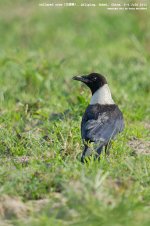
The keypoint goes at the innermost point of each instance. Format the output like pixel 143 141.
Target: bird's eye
pixel 94 78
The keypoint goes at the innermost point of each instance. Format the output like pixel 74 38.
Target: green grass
pixel 41 110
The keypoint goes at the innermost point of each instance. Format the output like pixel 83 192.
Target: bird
pixel 102 120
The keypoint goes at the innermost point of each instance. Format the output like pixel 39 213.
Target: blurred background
pixel 42 181
pixel 43 47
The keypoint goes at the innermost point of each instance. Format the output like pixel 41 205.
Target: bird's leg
pixel 84 152
pixel 98 152
pixel 107 148
pixel 83 155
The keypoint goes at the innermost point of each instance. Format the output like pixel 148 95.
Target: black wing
pixel 101 123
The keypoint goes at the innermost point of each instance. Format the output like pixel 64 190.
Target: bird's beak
pixel 83 79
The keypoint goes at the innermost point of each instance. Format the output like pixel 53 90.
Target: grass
pixel 42 181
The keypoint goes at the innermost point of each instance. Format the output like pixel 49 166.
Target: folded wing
pixel 102 126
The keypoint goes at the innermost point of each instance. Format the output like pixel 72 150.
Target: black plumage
pixel 102 120
pixel 100 124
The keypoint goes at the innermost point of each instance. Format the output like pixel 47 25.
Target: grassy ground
pixel 42 181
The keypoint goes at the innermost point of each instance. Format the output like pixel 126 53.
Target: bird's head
pixel 94 81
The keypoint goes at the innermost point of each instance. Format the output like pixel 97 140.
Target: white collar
pixel 102 96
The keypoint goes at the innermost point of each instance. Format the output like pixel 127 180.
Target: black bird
pixel 102 120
